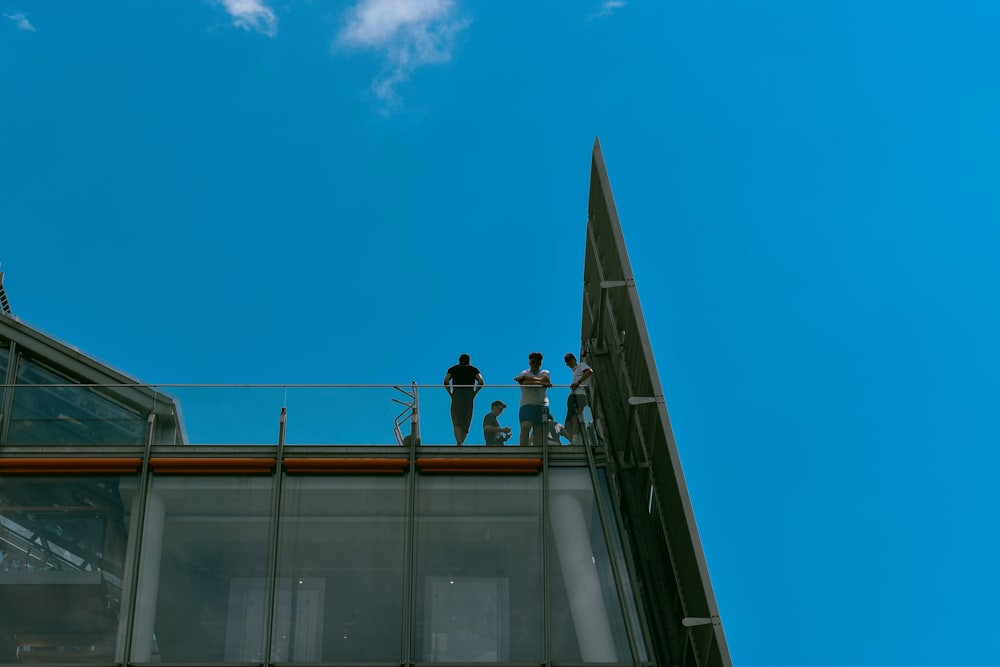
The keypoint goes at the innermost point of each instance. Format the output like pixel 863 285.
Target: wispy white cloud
pixel 21 20
pixel 408 33
pixel 608 7
pixel 253 15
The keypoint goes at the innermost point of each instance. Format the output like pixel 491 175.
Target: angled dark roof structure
pixel 684 622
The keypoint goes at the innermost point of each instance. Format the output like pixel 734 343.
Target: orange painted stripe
pixel 168 465
pixel 480 465
pixel 356 466
pixel 68 465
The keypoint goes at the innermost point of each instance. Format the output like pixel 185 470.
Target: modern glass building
pixel 132 533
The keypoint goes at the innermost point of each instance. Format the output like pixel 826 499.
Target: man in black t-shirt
pixel 462 381
pixel 494 434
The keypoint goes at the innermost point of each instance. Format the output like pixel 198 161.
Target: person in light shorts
pixel 534 382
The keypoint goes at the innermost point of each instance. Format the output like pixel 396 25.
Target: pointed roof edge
pixel 669 478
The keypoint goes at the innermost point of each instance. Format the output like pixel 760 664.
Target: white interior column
pixel 149 579
pixel 583 585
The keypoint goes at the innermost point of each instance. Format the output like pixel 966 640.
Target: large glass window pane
pixel 586 617
pixel 618 555
pixel 47 412
pixel 478 587
pixel 4 361
pixel 63 543
pixel 340 570
pixel 202 593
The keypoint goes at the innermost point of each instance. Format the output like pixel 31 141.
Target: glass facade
pixel 47 410
pixel 63 552
pixel 587 624
pixel 341 563
pixel 4 363
pixel 360 574
pixel 478 575
pixel 202 593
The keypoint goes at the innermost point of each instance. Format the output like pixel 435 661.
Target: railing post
pixel 128 601
pixel 272 566
pixel 410 566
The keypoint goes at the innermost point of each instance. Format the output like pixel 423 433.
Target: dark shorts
pixel 461 411
pixel 575 405
pixel 531 413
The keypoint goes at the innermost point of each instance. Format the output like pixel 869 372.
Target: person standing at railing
pixel 577 400
pixel 462 381
pixel 534 401
pixel 494 434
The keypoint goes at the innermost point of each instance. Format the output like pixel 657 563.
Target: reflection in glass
pixel 478 581
pixel 203 572
pixel 340 570
pixel 618 554
pixel 63 547
pixel 586 619
pixel 4 361
pixel 61 415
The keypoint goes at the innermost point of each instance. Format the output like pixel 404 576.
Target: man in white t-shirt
pixel 534 381
pixel 577 400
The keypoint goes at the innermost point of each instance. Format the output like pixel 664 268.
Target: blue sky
pixel 251 191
